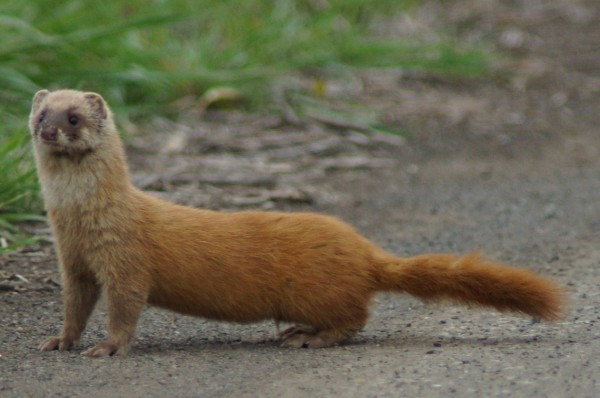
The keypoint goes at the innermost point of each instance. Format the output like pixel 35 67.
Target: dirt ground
pixel 508 165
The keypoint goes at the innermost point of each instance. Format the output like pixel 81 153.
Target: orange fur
pixel 305 268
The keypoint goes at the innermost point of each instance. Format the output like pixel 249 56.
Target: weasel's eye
pixel 73 120
pixel 41 117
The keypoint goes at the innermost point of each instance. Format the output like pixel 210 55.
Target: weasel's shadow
pixel 198 344
pixel 417 342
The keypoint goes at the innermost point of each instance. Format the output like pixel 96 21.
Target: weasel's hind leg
pixel 308 337
pixel 344 315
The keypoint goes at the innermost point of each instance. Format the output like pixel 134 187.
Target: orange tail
pixel 471 280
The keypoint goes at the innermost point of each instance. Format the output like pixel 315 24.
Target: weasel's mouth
pixel 55 146
pixel 69 153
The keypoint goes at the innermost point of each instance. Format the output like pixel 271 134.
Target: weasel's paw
pixel 57 343
pixel 300 337
pixel 105 349
pixel 295 330
pixel 303 340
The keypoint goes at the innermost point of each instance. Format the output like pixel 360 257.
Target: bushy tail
pixel 472 280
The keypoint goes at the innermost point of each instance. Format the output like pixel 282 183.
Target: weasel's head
pixel 69 123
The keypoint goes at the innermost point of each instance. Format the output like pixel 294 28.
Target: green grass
pixel 143 55
pixel 18 198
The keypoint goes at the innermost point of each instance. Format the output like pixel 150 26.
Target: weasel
pixel 308 269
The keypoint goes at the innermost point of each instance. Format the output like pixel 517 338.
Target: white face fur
pixel 68 122
pixel 68 127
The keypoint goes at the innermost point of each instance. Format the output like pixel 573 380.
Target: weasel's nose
pixel 49 134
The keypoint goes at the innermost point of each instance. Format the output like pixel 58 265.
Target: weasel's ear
pixel 37 100
pixel 97 103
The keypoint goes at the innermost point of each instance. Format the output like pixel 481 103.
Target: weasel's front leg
pixel 80 294
pixel 126 299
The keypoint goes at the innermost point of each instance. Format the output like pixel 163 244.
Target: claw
pixel 104 349
pixel 56 343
